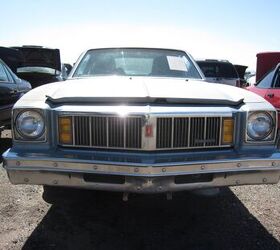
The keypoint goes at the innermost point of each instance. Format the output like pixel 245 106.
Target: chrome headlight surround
pixel 261 126
pixel 29 125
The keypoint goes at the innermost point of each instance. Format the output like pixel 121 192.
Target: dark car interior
pixel 217 69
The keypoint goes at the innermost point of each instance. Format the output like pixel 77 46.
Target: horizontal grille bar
pixel 107 132
pixel 188 132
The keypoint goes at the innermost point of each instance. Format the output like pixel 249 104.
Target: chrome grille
pixel 188 132
pixel 108 132
pixel 131 132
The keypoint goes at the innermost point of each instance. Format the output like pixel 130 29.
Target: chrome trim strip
pixel 73 130
pixel 124 133
pixel 221 125
pixel 90 131
pixel 107 132
pixel 141 169
pixel 172 132
pixel 189 130
pixel 204 132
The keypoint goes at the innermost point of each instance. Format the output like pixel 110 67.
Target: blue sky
pixel 234 30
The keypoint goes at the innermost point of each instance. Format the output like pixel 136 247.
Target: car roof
pixel 137 47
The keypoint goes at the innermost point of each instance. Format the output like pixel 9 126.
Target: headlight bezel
pixel 18 136
pixel 271 136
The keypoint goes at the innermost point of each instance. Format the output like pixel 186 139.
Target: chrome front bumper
pixel 141 177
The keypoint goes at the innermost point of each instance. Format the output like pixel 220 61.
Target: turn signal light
pixel 65 130
pixel 228 125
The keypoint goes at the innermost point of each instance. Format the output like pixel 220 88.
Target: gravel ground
pixel 237 218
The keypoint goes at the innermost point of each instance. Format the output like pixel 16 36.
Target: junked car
pixel 241 70
pixel 219 71
pixel 142 120
pixel 269 87
pixel 11 87
pixel 40 65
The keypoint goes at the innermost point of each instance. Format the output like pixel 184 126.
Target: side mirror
pixel 68 68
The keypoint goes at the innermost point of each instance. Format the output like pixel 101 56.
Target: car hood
pixel 125 90
pixel 40 57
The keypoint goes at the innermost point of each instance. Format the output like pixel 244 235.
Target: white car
pixel 142 120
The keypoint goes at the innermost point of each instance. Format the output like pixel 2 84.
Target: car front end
pixel 137 134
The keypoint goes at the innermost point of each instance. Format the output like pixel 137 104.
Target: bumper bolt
pixel 136 170
pixel 55 182
pixel 95 167
pixel 163 170
pixel 18 163
pixel 273 163
pixel 26 180
pixel 239 165
pixel 237 182
pixel 55 164
pixel 264 180
pixel 202 167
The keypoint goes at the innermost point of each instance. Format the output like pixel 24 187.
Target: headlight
pixel 30 124
pixel 260 126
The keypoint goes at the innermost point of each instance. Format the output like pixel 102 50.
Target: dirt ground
pixel 238 218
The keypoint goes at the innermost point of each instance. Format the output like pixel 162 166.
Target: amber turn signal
pixel 227 137
pixel 65 130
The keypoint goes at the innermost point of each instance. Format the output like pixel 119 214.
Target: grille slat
pixel 188 132
pixel 164 130
pixel 180 132
pixel 197 132
pixel 82 131
pixel 133 133
pixel 213 132
pixel 116 132
pixel 99 135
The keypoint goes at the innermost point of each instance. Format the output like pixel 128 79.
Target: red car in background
pixel 268 78
pixel 269 87
pixel 266 61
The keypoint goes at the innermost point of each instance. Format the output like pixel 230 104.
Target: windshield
pixel 42 70
pixel 136 62
pixel 218 69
